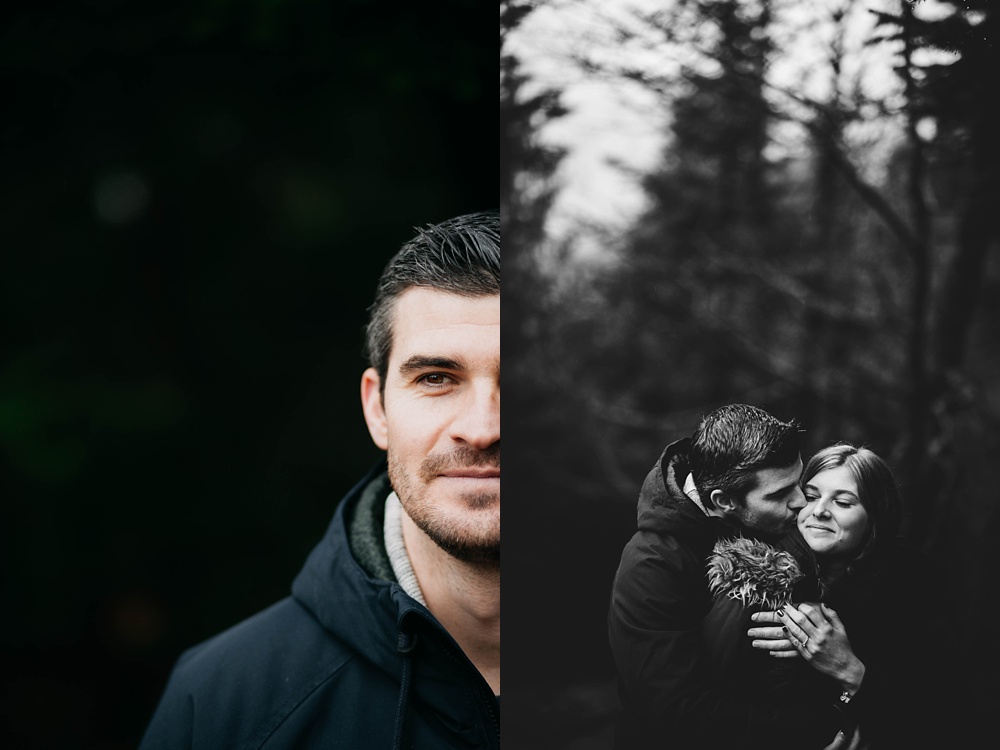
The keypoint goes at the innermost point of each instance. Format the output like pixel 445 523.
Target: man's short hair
pixel 734 442
pixel 459 256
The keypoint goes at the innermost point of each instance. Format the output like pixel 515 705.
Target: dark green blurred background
pixel 197 200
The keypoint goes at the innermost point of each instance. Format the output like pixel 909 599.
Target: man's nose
pixel 478 422
pixel 797 501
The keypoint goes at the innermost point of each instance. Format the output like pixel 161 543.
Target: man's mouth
pixel 463 463
pixel 479 472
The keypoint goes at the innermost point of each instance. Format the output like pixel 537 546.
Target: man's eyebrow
pixel 421 362
pixel 781 491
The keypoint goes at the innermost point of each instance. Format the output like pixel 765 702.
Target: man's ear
pixel 722 501
pixel 374 409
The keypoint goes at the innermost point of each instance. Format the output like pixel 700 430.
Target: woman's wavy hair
pixel 878 492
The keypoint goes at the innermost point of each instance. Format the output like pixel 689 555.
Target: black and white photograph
pixel 754 340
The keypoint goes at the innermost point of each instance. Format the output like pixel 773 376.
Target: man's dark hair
pixel 734 442
pixel 460 256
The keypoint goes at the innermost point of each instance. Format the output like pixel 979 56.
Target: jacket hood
pixel 663 507
pixel 385 625
pixel 332 582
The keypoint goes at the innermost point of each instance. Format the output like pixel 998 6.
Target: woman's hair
pixel 877 491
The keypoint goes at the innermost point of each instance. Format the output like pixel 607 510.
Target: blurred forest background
pixel 197 201
pixel 816 235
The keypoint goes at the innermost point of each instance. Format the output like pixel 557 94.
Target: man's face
pixel 771 507
pixel 439 418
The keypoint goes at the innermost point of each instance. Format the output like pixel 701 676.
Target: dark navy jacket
pixel 349 660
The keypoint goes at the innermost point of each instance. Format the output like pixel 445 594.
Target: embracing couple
pixel 767 603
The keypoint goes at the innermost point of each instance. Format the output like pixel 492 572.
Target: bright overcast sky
pixel 617 129
pixel 607 123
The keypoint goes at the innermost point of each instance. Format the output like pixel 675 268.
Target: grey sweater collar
pixel 396 549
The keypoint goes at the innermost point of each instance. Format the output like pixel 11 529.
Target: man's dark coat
pixel 349 660
pixel 668 692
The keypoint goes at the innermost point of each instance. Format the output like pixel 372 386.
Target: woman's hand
pixel 817 633
pixel 843 742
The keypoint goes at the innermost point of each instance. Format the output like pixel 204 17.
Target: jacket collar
pixel 349 572
pixel 363 606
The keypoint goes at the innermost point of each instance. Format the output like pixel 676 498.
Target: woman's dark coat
pixel 877 607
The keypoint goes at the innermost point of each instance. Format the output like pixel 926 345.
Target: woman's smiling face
pixel 833 522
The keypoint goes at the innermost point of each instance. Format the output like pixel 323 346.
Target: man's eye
pixel 434 378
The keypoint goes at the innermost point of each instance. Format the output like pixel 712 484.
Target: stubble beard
pixel 467 542
pixel 750 524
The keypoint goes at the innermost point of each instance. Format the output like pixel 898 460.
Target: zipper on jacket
pixel 463 661
pixel 406 643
